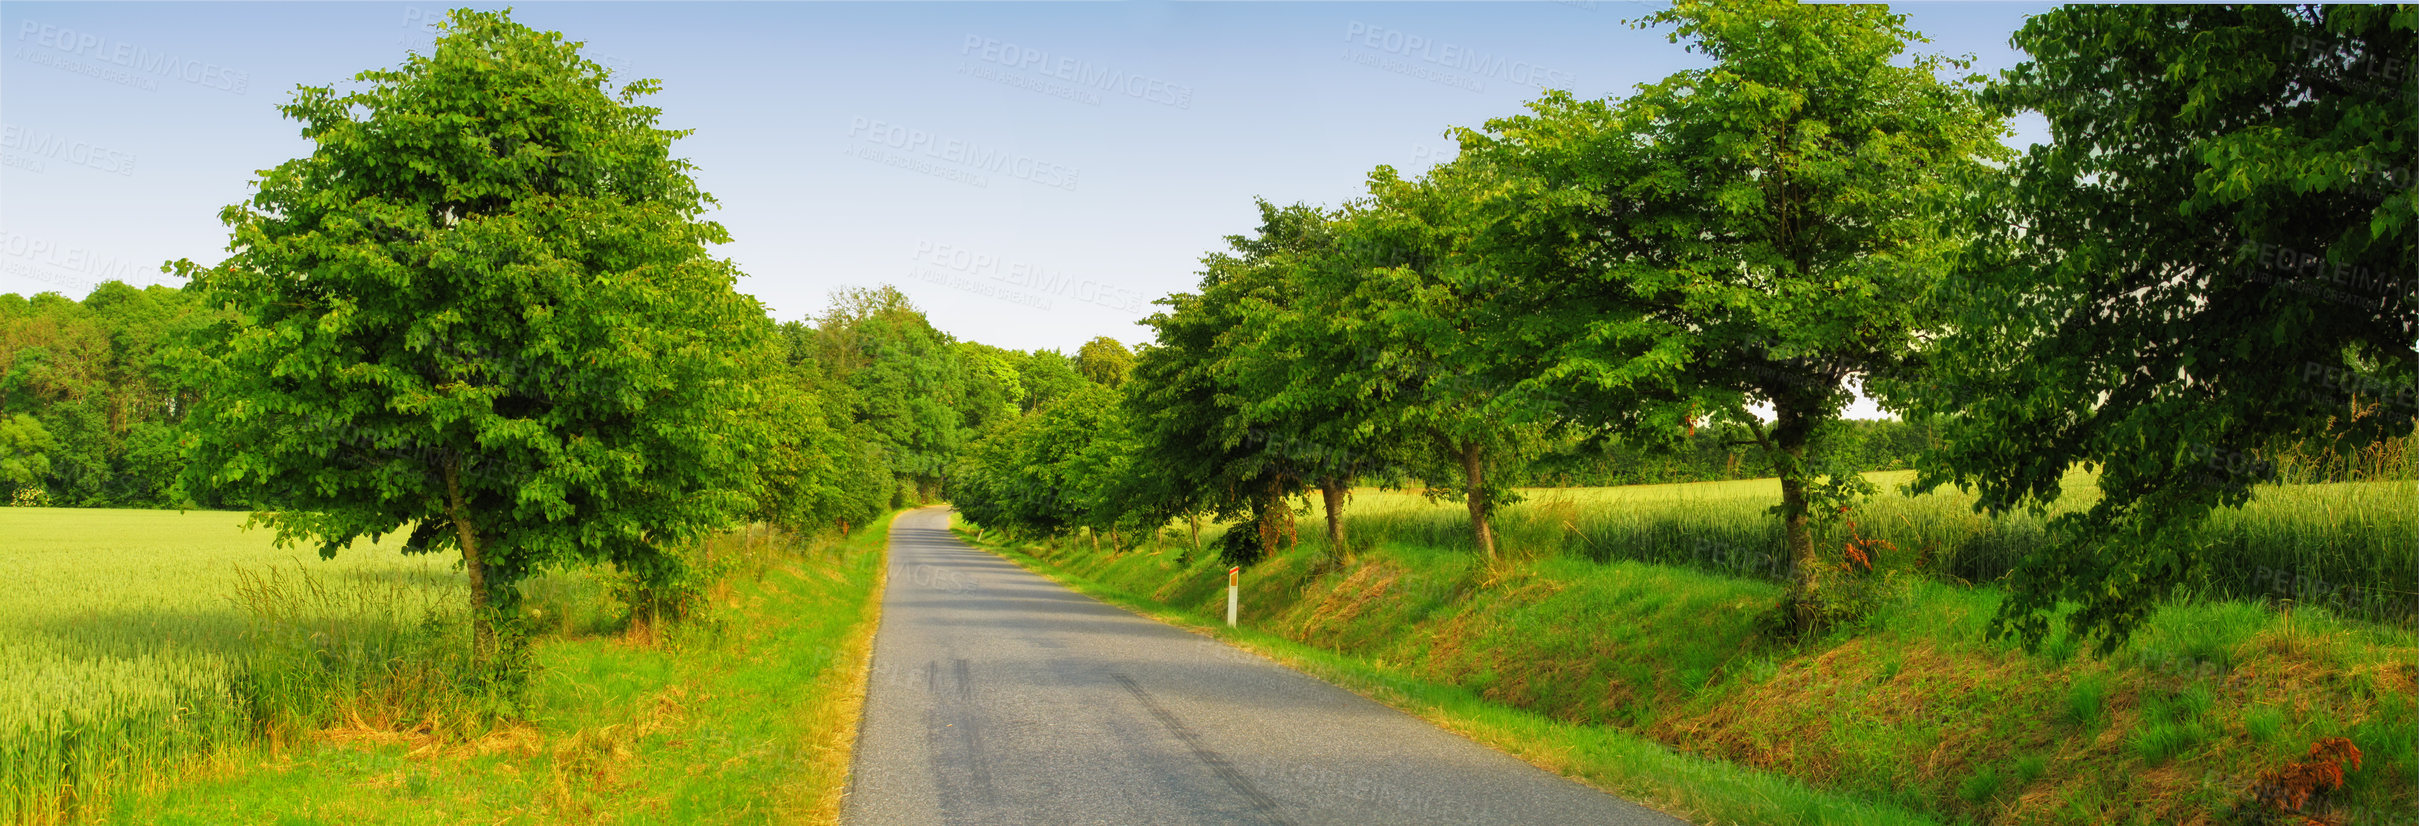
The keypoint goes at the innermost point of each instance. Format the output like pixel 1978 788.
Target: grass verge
pixel 745 714
pixel 1602 669
pixel 1699 789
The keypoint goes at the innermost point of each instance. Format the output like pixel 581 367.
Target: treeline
pixel 94 396
pixel 2211 266
pixel 911 397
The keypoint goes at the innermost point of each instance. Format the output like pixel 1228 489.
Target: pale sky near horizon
pixel 1031 174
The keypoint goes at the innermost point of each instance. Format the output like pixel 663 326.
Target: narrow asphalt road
pixel 1000 697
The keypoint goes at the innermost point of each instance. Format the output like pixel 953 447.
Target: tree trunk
pixel 1195 518
pixel 1331 494
pixel 1790 433
pixel 1474 474
pixel 482 607
pixel 1800 546
pixel 1276 520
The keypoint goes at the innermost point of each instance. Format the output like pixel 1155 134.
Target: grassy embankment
pixel 1574 649
pixel 188 673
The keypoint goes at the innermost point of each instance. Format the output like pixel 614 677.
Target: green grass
pixel 1582 636
pixel 170 667
pixel 1711 790
pixel 2087 702
pixel 744 716
pixel 132 644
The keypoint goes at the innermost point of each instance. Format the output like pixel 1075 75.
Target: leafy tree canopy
pixel 2216 252
pixel 483 309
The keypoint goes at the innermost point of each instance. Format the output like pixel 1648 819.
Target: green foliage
pixel 995 392
pixel 909 382
pixel 103 380
pixel 1054 471
pixel 1046 375
pixel 1757 232
pixel 1200 447
pixel 1105 362
pixel 24 452
pixel 483 310
pixel 2215 252
pixel 1420 293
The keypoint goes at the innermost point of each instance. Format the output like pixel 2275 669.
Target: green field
pixel 2348 547
pixel 125 638
pixel 139 640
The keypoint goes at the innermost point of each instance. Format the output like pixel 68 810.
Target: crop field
pixel 2346 546
pixel 137 639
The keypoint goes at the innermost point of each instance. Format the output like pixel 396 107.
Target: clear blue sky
pixel 1032 174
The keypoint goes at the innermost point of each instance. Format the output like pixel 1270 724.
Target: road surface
pixel 1000 697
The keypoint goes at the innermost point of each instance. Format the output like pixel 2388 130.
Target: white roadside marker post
pixel 1234 581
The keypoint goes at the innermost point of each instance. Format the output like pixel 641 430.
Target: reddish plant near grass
pixel 2291 788
pixel 1860 550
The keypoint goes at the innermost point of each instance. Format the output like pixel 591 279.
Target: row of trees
pixel 2213 257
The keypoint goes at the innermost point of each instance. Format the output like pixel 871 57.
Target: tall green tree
pixel 1197 449
pixel 861 484
pixel 995 389
pixel 1764 231
pixel 1104 361
pixel 2216 252
pixel 1058 470
pixel 908 380
pixel 482 309
pixel 1415 303
pixel 1046 375
pixel 1293 362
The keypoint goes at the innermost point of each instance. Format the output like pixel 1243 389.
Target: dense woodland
pixel 96 393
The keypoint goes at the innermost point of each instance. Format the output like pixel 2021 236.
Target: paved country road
pixel 1000 697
